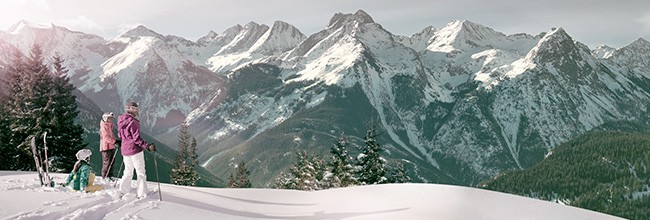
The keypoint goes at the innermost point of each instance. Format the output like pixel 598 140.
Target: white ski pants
pixel 134 161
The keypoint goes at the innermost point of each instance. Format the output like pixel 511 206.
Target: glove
pixel 118 142
pixel 151 147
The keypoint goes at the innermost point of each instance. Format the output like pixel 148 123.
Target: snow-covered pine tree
pixel 183 171
pixel 371 167
pixel 240 178
pixel 283 181
pixel 37 102
pixel 341 171
pixel 305 174
pixel 397 174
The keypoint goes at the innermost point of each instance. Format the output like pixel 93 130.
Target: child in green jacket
pixel 83 175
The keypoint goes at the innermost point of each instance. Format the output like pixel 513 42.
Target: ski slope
pixel 22 198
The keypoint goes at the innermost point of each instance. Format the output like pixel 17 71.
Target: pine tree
pixel 184 169
pixel 283 181
pixel 397 174
pixel 63 130
pixel 240 179
pixel 13 83
pixel 37 102
pixel 341 170
pixel 180 164
pixel 7 152
pixel 305 174
pixel 371 168
pixel 25 103
pixel 192 156
pixel 192 176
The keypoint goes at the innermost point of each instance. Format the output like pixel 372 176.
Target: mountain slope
pixel 153 71
pixel 600 171
pixel 472 104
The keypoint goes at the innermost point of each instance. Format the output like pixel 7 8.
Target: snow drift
pixel 23 198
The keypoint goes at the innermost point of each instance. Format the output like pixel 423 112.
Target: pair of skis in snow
pixel 43 173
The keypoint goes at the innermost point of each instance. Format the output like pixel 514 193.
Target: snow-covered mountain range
pixel 457 104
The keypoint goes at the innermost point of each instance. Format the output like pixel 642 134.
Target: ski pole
pixel 118 174
pixel 155 164
pixel 110 165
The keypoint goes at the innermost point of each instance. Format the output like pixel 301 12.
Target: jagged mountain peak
pixel 420 40
pixel 279 38
pixel 555 37
pixel 603 51
pixel 141 31
pixel 211 35
pixel 554 43
pixel 281 25
pixel 556 34
pixel 464 34
pixel 253 24
pixel 247 35
pixel 426 31
pixel 462 23
pixel 26 27
pixel 636 55
pixel 234 29
pixel 18 27
pixel 467 26
pixel 476 31
pixel 340 19
pixel 208 37
pixel 227 35
pixel 639 43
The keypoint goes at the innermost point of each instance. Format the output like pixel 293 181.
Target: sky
pixel 592 22
pixel 21 197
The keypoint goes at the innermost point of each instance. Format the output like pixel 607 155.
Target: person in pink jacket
pixel 107 143
pixel 132 147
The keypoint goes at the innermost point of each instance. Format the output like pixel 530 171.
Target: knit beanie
pixel 132 107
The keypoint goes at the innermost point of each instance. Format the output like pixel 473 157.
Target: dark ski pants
pixel 107 167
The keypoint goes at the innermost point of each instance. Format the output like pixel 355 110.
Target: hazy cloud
pixel 83 24
pixel 645 20
pixel 12 11
pixel 592 22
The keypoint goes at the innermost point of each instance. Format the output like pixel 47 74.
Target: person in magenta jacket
pixel 132 147
pixel 107 143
